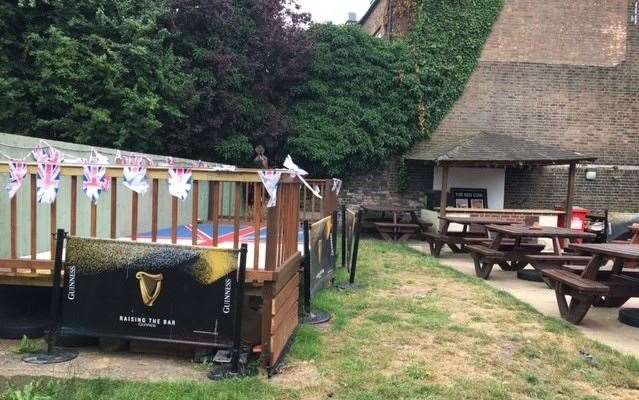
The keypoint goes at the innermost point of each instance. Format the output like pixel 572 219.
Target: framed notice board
pixel 469 198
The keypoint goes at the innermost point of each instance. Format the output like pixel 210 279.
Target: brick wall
pixel 586 100
pixel 389 16
pixel 375 22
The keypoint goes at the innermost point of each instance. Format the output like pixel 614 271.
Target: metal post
pixel 56 291
pixel 53 355
pixel 307 268
pixel 355 247
pixel 344 236
pixel 237 318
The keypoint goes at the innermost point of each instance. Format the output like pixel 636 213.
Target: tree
pixel 244 57
pixel 361 106
pixel 91 71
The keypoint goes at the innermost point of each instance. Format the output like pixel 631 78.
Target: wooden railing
pixel 234 198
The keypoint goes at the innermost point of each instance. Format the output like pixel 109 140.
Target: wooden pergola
pixel 495 151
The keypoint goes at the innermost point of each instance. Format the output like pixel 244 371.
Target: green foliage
pixel 360 105
pixel 369 100
pixel 212 80
pixel 31 391
pixel 91 71
pixel 446 41
pixel 27 345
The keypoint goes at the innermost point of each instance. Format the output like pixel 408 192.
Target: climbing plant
pixel 446 42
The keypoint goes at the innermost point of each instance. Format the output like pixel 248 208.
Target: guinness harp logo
pixel 150 287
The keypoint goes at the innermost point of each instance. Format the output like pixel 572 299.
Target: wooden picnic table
pixel 519 232
pixel 588 287
pixel 456 241
pixel 393 229
pixel 514 259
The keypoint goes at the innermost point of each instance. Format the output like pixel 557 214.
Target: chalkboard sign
pixel 149 291
pixel 469 198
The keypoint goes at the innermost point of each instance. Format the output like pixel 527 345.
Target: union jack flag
pixel 134 173
pixel 94 181
pixel 48 182
pixel 180 182
pixel 17 173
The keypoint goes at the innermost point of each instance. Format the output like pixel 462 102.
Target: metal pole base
pixel 316 317
pixel 54 357
pixel 348 286
pixel 225 371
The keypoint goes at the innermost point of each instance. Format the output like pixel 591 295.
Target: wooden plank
pixel 289 307
pixel 443 202
pixel 74 205
pixel 53 226
pixel 26 264
pixel 280 338
pixel 114 208
pixel 34 217
pixel 215 218
pixel 196 204
pixel 154 210
pixel 134 215
pixel 174 219
pixel 14 226
pixel 267 318
pixel 236 215
pixel 286 270
pixel 94 220
pixel 257 216
pixel 272 226
pixel 282 298
pixel 157 172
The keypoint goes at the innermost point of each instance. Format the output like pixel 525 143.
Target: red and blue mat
pixel 205 234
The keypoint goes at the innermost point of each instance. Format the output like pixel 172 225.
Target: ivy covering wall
pixel 369 100
pixel 211 80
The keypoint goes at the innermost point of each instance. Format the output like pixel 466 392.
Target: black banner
pixel 149 291
pixel 349 222
pixel 322 252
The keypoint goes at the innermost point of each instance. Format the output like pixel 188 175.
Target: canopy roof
pixel 488 149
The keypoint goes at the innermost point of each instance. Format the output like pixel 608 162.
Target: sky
pixel 335 11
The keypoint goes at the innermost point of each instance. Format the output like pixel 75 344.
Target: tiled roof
pixel 494 149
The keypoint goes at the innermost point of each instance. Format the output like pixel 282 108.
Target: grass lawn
pixel 417 330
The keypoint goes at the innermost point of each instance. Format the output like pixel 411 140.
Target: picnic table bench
pixel 396 231
pixel 587 288
pixel 518 257
pixel 393 229
pixel 456 241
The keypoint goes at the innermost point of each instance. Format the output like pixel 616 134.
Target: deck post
pixel 571 193
pixel 444 197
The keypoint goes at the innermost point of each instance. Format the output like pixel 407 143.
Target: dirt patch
pixel 298 375
pixel 93 363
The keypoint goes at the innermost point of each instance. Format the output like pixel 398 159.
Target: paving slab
pixel 600 324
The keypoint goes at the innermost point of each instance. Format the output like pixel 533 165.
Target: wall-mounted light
pixel 591 175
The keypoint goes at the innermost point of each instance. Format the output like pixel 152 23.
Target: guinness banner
pixel 322 252
pixel 149 291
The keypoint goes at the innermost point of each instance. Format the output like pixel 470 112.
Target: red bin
pixel 579 218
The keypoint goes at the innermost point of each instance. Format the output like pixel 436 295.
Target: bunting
pixel 94 181
pixel 134 174
pixel 180 182
pixel 48 182
pixel 17 173
pixel 270 180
